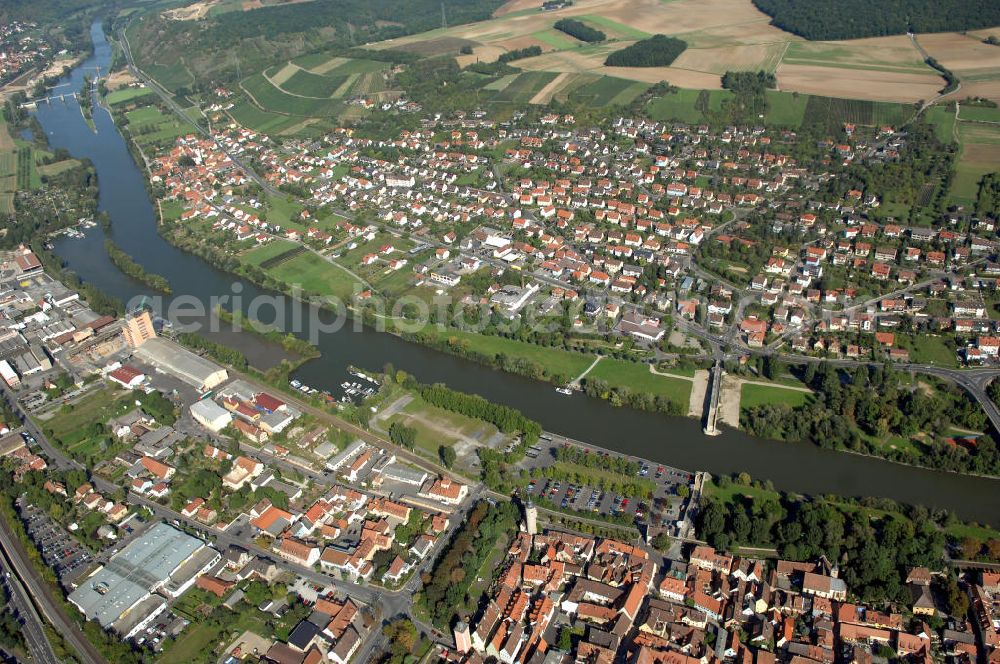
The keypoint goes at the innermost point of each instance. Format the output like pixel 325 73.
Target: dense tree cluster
pixel 402 435
pixel 988 197
pixel 580 30
pixel 850 19
pixel 656 51
pixel 859 410
pixel 447 586
pixel 875 549
pixel 520 54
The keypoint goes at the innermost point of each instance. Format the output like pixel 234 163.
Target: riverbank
pixel 673 441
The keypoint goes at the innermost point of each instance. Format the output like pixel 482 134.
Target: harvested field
pixel 963 54
pixel 855 84
pixel 887 53
pixel 517 6
pixel 746 57
pixel 328 66
pixel 545 95
pixel 283 74
pixel 976 64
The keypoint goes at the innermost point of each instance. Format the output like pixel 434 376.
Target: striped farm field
pixel 270 98
pixel 306 84
pixel 607 91
pixel 525 86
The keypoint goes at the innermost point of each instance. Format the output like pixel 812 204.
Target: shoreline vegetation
pixel 130 268
pixel 286 340
pixel 449 340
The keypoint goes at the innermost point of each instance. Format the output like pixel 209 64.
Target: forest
pixel 656 51
pixel 859 410
pixel 851 19
pixel 580 30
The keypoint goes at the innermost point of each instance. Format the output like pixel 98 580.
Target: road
pixel 43 597
pixel 32 626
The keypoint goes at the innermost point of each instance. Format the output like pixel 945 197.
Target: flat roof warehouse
pixel 158 558
pixel 192 369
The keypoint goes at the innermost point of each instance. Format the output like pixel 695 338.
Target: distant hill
pixel 851 19
pixel 176 51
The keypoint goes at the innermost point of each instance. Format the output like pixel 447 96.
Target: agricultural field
pixel 150 125
pixel 125 95
pixel 976 64
pixel 608 91
pixel 833 112
pixel 523 89
pixel 979 113
pixel 722 35
pixel 8 170
pixel 683 105
pixel 979 155
pixel 248 115
pixel 271 98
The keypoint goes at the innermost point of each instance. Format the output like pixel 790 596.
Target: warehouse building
pixel 185 365
pixel 210 415
pixel 120 595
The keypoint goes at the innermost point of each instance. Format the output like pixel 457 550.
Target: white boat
pixel 564 390
pixel 295 384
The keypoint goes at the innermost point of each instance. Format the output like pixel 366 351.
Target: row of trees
pixel 506 419
pixel 656 51
pixel 616 463
pixel 124 262
pixel 580 30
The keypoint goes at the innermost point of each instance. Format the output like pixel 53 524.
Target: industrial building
pixel 210 415
pixel 138 328
pixel 185 365
pixel 120 595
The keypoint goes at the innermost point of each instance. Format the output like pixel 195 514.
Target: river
pixel 671 440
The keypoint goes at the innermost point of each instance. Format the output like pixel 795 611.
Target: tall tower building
pixel 531 518
pixel 138 328
pixel 463 641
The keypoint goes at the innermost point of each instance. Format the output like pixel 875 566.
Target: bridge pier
pixel 712 402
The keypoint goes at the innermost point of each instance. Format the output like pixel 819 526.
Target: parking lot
pixel 664 509
pixel 60 551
